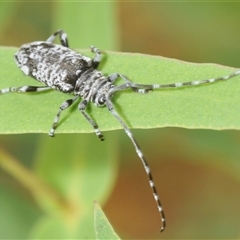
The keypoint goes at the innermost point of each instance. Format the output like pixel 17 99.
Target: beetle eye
pixel 101 100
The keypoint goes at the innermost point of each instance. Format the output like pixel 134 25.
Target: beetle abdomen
pixel 54 65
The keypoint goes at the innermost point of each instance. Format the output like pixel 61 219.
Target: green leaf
pixel 87 30
pixel 13 208
pixel 103 228
pixel 213 106
pixel 80 170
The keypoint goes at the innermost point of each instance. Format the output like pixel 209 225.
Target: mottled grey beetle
pixel 62 69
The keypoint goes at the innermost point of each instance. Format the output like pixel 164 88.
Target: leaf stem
pixel 39 189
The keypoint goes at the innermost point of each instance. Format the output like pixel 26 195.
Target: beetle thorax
pixel 93 86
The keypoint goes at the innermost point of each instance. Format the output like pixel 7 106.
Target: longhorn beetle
pixel 62 69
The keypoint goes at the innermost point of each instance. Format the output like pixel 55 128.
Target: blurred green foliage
pixel 196 171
